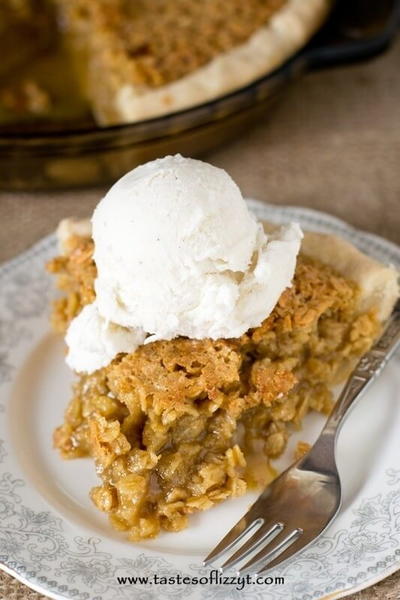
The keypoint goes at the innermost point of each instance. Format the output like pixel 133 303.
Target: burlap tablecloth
pixel 332 144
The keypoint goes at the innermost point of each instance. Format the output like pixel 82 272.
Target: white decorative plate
pixel 55 541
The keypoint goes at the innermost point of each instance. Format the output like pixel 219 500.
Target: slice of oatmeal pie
pixel 179 425
pixel 150 57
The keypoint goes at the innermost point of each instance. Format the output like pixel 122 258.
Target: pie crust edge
pixel 286 32
pixel 379 283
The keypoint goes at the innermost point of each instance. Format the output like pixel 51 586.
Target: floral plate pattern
pixel 64 560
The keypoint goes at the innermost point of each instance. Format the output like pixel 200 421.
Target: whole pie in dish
pixel 158 56
pixel 180 424
pixel 137 59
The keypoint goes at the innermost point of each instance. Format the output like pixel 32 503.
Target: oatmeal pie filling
pixel 155 42
pixel 179 425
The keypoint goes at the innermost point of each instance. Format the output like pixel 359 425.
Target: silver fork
pixel 296 508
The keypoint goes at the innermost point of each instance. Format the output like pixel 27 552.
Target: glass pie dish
pixel 88 155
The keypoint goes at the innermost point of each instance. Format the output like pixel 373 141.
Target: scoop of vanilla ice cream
pixel 179 254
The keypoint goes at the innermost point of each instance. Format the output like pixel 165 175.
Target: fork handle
pixel 367 369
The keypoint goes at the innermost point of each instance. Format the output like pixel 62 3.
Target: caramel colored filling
pixel 153 42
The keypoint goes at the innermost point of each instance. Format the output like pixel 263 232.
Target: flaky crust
pixel 379 283
pixel 284 34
